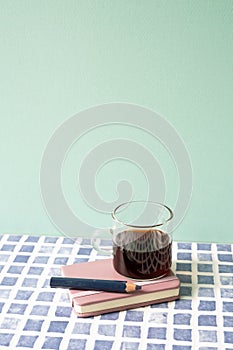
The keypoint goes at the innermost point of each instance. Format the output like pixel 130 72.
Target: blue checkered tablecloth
pixel 34 316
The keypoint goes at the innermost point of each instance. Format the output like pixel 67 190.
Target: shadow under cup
pixel 142 251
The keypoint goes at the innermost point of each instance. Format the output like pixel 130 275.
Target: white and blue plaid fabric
pixel 34 316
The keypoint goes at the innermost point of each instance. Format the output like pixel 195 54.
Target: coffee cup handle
pixel 98 237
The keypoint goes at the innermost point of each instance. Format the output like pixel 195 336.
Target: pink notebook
pixel 91 303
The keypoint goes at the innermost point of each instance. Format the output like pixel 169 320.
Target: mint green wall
pixel 60 57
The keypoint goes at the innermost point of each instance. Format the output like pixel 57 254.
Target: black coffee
pixel 142 254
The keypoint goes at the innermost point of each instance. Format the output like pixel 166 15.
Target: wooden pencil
pixel 93 284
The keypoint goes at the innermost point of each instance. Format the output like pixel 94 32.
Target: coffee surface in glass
pixel 142 254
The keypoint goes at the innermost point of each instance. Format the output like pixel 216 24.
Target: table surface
pixel 34 316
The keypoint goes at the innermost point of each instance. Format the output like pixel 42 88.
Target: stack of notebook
pixel 92 303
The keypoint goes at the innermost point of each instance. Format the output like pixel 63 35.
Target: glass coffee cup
pixel 141 240
pixel 142 244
